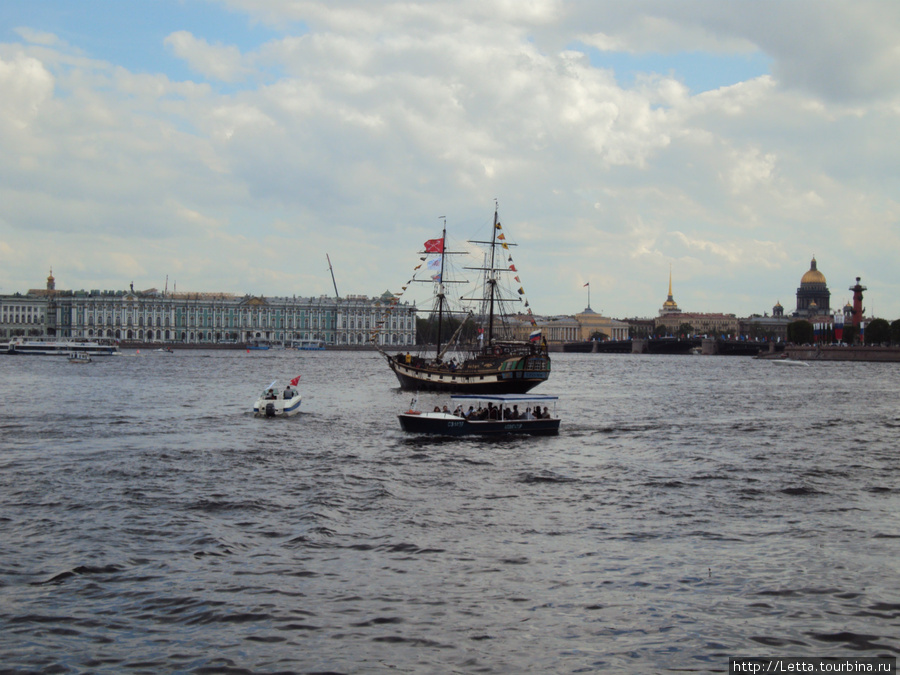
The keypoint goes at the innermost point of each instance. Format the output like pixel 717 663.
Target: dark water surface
pixel 692 509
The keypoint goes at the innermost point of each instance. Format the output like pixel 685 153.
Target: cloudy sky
pixel 229 145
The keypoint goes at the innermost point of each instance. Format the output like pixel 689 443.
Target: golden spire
pixel 670 305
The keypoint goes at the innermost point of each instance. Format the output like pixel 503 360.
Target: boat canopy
pixel 504 398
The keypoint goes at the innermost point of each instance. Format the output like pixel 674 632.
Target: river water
pixel 692 508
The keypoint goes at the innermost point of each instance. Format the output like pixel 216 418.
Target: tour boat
pixel 62 347
pixel 497 416
pixel 308 345
pixel 275 403
pixel 493 362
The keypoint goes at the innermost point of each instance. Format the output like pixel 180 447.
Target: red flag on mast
pixel 434 245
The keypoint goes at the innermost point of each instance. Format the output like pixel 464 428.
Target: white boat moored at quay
pixel 61 347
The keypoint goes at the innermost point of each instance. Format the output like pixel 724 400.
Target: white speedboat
pixel 275 403
pixel 80 357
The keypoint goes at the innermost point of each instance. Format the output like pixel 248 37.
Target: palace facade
pixel 206 318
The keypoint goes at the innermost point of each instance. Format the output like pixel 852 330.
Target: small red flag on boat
pixel 434 245
pixel 295 381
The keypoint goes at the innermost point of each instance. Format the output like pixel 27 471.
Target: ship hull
pixel 473 378
pixel 449 425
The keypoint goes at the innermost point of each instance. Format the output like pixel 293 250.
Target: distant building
pixel 766 327
pixel 591 323
pixel 563 328
pixel 669 306
pixel 554 329
pixel 813 296
pixel 672 318
pixel 206 318
pixel 700 323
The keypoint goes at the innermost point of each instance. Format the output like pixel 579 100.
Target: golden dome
pixel 813 276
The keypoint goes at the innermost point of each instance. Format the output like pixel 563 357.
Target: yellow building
pixel 592 324
pixel 562 329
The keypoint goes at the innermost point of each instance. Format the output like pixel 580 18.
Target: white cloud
pixel 218 62
pixel 25 85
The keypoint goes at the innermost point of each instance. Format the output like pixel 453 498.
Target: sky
pixel 231 145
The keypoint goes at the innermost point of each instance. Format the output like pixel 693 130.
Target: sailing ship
pixel 494 363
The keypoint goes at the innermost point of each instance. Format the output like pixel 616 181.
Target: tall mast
pixel 491 278
pixel 440 295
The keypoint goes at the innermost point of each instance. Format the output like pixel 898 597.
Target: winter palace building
pixel 205 318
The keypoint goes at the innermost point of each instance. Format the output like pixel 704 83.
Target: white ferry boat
pixel 308 345
pixel 61 347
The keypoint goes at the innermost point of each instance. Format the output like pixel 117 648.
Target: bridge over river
pixel 671 345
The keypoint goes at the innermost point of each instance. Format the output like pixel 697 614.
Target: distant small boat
pixel 258 345
pixel 80 357
pixel 272 403
pixel 165 350
pixel 308 345
pixel 496 418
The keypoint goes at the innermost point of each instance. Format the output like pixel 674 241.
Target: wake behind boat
pixel 789 362
pixel 493 362
pixel 274 403
pixel 495 415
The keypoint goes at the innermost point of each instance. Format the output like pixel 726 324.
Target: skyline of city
pixel 232 145
pixel 669 302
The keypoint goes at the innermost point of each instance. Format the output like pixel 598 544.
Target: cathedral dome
pixel 813 276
